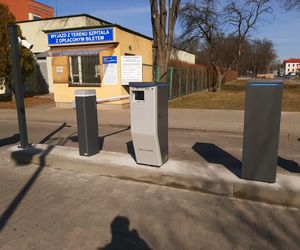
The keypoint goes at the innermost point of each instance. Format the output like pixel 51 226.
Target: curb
pixel 194 176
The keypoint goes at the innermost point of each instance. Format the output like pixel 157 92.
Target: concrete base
pixel 208 178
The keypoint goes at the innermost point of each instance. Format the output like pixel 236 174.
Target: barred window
pixel 84 70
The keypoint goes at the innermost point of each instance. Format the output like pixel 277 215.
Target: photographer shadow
pixel 124 239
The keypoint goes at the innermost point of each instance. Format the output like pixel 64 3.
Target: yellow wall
pixel 60 69
pixel 128 43
pixel 139 46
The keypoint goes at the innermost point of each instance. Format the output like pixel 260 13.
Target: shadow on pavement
pixel 48 137
pixel 9 140
pixel 122 238
pixel 6 215
pixel 214 154
pixel 117 132
pixel 288 165
pixel 74 138
pixel 130 150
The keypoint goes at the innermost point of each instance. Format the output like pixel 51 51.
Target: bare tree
pixel 258 56
pixel 200 21
pixel 203 20
pixel 163 19
pixel 291 4
pixel 242 19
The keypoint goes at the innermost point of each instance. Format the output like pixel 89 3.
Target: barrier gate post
pixel 261 130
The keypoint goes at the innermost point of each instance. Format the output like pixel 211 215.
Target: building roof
pixel 101 26
pixel 292 60
pixel 69 16
pixel 107 24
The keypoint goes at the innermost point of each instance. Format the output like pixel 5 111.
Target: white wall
pixel 183 56
pixel 3 90
pixel 50 76
pixel 291 67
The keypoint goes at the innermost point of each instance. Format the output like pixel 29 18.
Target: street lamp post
pixel 18 86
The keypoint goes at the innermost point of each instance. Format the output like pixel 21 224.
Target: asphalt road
pixel 47 208
pixel 194 145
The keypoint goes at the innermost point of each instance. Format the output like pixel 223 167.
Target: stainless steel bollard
pixel 87 122
pixel 149 122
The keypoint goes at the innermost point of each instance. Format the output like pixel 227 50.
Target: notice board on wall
pixel 110 70
pixel 131 69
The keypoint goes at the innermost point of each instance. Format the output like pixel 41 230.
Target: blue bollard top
pixel 147 84
pixel 265 83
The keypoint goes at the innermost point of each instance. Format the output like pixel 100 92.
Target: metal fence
pixel 186 81
pixel 182 81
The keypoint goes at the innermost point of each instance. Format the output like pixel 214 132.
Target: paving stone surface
pixel 46 208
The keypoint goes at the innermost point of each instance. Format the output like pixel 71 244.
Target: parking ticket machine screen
pixel 139 95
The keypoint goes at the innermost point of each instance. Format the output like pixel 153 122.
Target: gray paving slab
pixel 109 213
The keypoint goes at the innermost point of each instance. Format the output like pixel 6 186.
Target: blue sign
pixel 109 59
pixel 81 36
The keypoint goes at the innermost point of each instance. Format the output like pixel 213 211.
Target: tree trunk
pixel 163 32
pixel 162 63
pixel 219 79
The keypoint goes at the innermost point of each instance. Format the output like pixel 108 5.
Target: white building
pixel 183 56
pixel 292 66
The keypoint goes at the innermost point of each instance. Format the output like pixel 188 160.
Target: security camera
pixel 25 43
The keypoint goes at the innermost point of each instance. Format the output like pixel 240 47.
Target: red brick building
pixel 28 9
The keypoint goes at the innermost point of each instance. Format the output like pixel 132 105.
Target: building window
pixel 84 70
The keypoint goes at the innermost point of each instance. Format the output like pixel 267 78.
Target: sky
pixel 281 27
